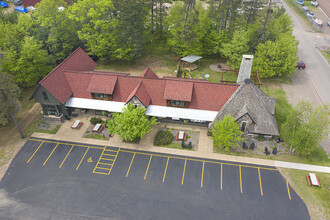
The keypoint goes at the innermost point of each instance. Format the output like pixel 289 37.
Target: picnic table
pixel 76 124
pixel 312 179
pixel 98 128
pixel 181 136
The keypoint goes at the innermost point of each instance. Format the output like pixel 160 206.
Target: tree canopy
pixel 132 124
pixel 9 93
pixel 226 133
pixel 305 127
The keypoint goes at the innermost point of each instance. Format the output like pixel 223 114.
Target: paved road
pixel 318 69
pixel 56 180
pixel 325 5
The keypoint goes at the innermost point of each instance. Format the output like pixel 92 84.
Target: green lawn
pixel 316 199
pixel 326 55
pixel 95 136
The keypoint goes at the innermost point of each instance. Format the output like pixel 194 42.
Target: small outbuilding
pixel 188 62
pixel 3 4
pixel 21 9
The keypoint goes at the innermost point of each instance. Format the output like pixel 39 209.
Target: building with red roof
pixel 74 84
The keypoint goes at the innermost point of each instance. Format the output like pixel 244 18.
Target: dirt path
pixel 14 143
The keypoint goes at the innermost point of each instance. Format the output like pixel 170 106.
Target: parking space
pixel 113 174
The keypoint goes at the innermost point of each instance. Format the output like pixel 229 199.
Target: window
pixel 177 103
pixel 51 110
pixel 44 94
pixel 100 96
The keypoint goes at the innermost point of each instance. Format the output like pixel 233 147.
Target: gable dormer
pixel 178 93
pixel 139 97
pixel 102 87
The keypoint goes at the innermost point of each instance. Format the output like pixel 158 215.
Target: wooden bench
pixel 76 125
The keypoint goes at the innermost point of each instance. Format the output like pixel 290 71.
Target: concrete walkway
pixel 204 149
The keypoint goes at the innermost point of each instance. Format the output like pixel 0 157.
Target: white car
pixel 314 3
pixel 318 21
pixel 310 14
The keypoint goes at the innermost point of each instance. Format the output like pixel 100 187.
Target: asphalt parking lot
pixel 55 180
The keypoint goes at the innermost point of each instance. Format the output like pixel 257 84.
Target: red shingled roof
pixel 99 84
pixel 34 2
pixel 55 82
pixel 148 73
pixel 178 90
pixel 75 77
pixel 141 93
pixel 205 95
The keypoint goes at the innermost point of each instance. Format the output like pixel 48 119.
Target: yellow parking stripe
pixel 202 176
pixel 106 163
pixel 114 161
pixel 184 170
pixel 102 168
pixel 260 182
pixel 110 150
pixel 50 155
pixel 107 159
pixel 287 185
pixel 165 168
pixel 100 173
pixel 35 152
pixel 145 175
pixel 66 156
pixel 130 165
pixel 221 178
pixel 65 143
pixel 240 178
pixel 110 155
pixel 198 160
pixel 82 158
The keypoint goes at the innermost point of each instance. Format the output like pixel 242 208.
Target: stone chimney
pixel 245 69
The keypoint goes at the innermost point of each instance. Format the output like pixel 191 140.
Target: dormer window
pixel 100 96
pixel 177 103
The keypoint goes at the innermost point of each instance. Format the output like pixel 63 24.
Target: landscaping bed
pixel 166 137
pixel 102 135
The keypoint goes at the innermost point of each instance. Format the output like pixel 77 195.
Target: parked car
pixel 301 65
pixel 318 21
pixel 305 8
pixel 18 2
pixel 300 2
pixel 314 3
pixel 310 14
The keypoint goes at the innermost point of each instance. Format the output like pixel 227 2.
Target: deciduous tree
pixel 28 65
pixel 276 58
pixel 236 48
pixel 132 124
pixel 226 133
pixel 305 127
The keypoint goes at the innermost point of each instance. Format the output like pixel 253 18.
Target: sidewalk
pixel 204 150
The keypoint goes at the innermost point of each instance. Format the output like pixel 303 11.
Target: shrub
pixel 163 138
pixel 261 137
pixel 95 120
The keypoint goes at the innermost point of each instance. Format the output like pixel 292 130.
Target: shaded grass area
pixel 316 199
pixel 214 75
pixel 326 55
pixel 95 136
pixel 158 58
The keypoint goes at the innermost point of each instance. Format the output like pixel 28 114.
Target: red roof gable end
pixel 178 90
pixel 148 73
pixel 55 82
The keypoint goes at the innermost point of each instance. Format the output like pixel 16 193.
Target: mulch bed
pixel 192 136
